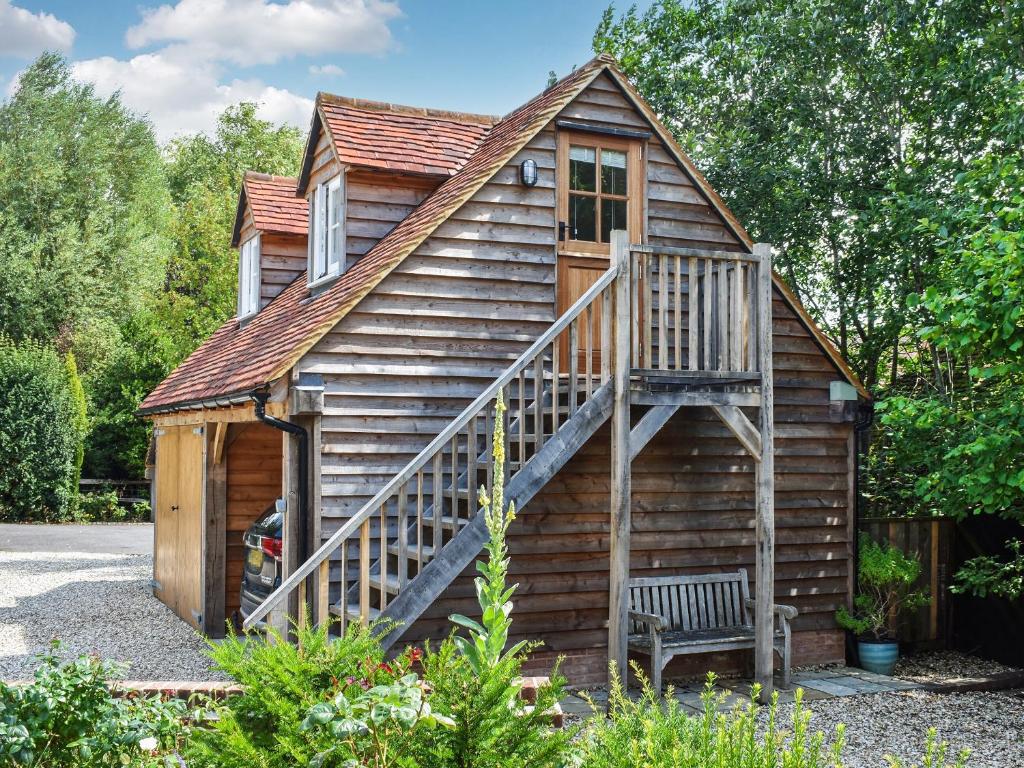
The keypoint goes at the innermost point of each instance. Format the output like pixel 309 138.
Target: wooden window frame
pixel 249 277
pixel 634 188
pixel 326 241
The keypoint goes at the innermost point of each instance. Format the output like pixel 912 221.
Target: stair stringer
pixel 458 553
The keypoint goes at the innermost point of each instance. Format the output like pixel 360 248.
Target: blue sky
pixel 182 62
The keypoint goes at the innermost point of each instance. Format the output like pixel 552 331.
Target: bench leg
pixel 786 671
pixel 657 663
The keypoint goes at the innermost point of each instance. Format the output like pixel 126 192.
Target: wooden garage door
pixel 178 518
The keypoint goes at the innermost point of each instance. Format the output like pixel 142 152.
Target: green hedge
pixel 40 434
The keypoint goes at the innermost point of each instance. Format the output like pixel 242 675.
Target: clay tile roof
pixel 238 359
pixel 275 203
pixel 402 139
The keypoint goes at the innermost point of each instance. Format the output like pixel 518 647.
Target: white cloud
pixel 185 96
pixel 182 84
pixel 248 32
pixel 24 34
pixel 326 70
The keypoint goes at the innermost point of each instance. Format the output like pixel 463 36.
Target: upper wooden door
pixel 601 187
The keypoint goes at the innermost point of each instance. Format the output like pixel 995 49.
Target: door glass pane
pixel 583 169
pixel 582 224
pixel 613 216
pixel 613 172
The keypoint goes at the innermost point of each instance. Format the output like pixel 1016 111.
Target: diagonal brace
pixel 648 426
pixel 741 427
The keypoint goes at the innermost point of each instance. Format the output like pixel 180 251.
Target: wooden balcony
pixel 694 320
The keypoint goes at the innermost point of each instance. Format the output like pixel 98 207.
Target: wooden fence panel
pixel 930 540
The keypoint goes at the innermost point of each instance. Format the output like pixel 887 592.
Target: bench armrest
pixel 653 620
pixel 784 612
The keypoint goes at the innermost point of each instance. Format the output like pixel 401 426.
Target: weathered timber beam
pixel 741 427
pixel 621 493
pixel 764 551
pixel 648 426
pixel 741 399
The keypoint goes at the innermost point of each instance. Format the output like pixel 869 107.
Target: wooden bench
pixel 676 615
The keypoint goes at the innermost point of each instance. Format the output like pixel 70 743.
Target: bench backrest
pixel 703 601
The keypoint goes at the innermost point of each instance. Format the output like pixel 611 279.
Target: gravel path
pixel 991 725
pixel 94 603
pixel 941 666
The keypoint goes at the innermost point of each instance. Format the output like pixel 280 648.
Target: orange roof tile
pixel 275 203
pixel 401 139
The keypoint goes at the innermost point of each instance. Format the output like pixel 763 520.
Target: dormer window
pixel 249 278
pixel 327 231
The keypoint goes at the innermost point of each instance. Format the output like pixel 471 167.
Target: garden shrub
pixel 38 437
pixel 68 718
pixel 885 585
pixel 104 507
pixel 80 413
pixel 494 727
pixel 266 726
pixel 652 732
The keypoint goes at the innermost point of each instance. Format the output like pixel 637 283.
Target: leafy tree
pixel 966 442
pixel 83 226
pixel 205 174
pixel 829 127
pixel 877 143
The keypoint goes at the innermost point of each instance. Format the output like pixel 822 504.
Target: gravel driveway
pixel 990 725
pixel 94 602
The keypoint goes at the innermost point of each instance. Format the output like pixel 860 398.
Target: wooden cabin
pixel 672 408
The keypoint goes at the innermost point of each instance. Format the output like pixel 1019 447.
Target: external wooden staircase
pixel 661 329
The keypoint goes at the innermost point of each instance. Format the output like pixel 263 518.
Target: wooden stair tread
pixel 351 611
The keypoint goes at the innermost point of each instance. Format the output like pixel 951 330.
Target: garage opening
pixel 254 456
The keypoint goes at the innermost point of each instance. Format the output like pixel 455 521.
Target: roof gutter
pixel 259 398
pixel 221 401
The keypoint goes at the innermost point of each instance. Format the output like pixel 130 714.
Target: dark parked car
pixel 261 574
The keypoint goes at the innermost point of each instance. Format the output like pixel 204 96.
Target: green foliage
pixel 283 681
pixel 493 727
pixel 82 232
pixel 80 421
pixel 988 575
pixel 375 726
pixel 67 718
pixel 935 752
pixel 38 439
pixel 485 646
pixel 103 507
pixel 476 679
pixel 885 586
pixel 651 732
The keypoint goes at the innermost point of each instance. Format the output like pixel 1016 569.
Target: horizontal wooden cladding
pixel 448 320
pixel 254 462
pixel 374 204
pixel 282 259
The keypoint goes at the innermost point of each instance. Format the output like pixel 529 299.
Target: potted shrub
pixel 886 578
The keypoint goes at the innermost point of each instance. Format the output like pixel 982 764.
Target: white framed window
pixel 249 277
pixel 327 231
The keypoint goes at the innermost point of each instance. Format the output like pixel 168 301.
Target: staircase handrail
pixel 352 525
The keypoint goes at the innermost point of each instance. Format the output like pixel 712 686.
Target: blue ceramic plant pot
pixel 878 657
